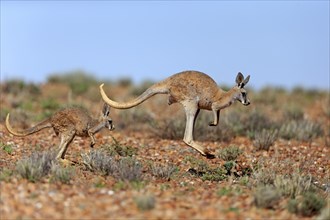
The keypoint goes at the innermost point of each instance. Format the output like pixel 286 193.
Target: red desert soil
pixel 93 196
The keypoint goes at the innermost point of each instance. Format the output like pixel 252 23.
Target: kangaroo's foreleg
pixel 216 117
pixel 91 135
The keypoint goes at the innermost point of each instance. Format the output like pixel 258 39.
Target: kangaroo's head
pixel 106 118
pixel 240 93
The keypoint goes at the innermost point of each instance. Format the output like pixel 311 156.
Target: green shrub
pixel 116 148
pixel 136 119
pixel 61 174
pixel 229 153
pixel 145 202
pixel 17 86
pixel 8 148
pixel 217 174
pixel 125 82
pixel 256 122
pixel 308 204
pixel 78 81
pixel 138 90
pixel 204 132
pixel 163 171
pixel 5 174
pixel 99 161
pixel 294 113
pixel 293 185
pixel 129 169
pixel 265 139
pixel 201 169
pixel 169 129
pixel 266 196
pixel 197 164
pixel 125 169
pixel 301 130
pixel 36 166
pixel 49 104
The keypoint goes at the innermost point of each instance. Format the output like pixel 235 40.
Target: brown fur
pixel 194 90
pixel 68 123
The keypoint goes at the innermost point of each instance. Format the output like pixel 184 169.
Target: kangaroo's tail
pixel 38 127
pixel 158 88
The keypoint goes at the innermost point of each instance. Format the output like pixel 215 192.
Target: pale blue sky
pixel 280 43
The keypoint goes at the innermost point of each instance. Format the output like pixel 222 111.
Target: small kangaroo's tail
pixel 158 88
pixel 38 127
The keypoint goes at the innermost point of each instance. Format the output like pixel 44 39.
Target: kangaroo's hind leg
pixel 66 139
pixel 192 111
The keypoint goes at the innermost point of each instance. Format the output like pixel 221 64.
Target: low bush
pixel 302 130
pixel 5 174
pixel 229 153
pixel 163 171
pixel 202 170
pixel 266 196
pixel 308 204
pixel 264 139
pixel 129 169
pixel 78 81
pixel 117 148
pixel 61 174
pixel 145 202
pixel 124 169
pixel 36 166
pixel 99 161
pixel 293 185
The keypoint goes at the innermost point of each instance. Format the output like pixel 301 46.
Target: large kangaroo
pixel 68 123
pixel 195 91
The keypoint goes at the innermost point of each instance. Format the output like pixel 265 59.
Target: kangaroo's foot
pixel 213 124
pixel 209 155
pixel 199 148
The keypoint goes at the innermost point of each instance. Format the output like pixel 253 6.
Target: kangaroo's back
pixel 76 118
pixel 182 86
pixel 194 85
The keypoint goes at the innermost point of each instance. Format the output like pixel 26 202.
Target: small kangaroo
pixel 194 90
pixel 68 123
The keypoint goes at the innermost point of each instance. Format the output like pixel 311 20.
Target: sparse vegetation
pixel 5 174
pixel 124 169
pixel 99 161
pixel 61 174
pixel 145 202
pixel 308 204
pixel 78 81
pixel 265 139
pixel 163 171
pixel 146 169
pixel 8 148
pixel 302 130
pixel 116 148
pixel 36 166
pixel 266 197
pixel 229 153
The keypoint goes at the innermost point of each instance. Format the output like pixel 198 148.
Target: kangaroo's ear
pixel 239 78
pixel 106 109
pixel 246 80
